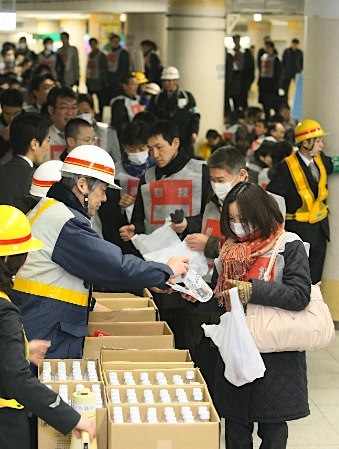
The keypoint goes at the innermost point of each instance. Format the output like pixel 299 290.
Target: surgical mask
pixel 10 58
pixel 86 116
pixel 221 189
pixel 48 48
pixel 22 46
pixel 138 158
pixel 239 230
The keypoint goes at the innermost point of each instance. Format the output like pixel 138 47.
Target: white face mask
pixel 138 158
pixel 22 46
pixel 239 230
pixel 87 116
pixel 221 189
pixel 48 48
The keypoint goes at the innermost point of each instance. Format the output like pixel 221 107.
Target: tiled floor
pixel 320 430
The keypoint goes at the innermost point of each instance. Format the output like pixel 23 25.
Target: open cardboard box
pixel 130 359
pixel 49 438
pixel 168 373
pixel 69 366
pixel 143 335
pixel 163 435
pixel 139 390
pixel 99 295
pixel 126 310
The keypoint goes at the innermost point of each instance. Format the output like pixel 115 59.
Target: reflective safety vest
pixel 211 228
pixel 40 275
pixel 12 403
pixel 181 190
pixel 312 210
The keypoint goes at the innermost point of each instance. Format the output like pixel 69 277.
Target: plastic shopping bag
pixel 243 362
pixel 159 239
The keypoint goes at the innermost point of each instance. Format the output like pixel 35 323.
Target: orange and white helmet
pixel 152 88
pixel 44 176
pixel 92 162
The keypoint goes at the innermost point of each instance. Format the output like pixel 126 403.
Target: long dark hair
pixel 9 269
pixel 256 207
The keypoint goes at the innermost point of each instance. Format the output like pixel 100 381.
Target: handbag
pixel 278 330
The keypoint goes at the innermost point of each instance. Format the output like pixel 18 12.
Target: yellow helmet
pixel 15 233
pixel 308 129
pixel 141 77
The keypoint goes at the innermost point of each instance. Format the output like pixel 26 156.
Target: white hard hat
pixel 170 73
pixel 44 176
pixel 91 161
pixel 152 88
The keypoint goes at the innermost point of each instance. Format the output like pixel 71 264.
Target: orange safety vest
pixel 312 210
pixel 12 403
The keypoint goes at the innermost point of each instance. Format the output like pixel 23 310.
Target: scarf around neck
pixel 136 170
pixel 237 257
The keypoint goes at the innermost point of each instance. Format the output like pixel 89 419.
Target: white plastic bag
pixel 243 362
pixel 164 243
pixel 161 238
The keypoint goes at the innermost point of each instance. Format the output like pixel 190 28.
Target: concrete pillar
pixel 196 31
pixel 320 94
pixel 140 26
pixel 77 30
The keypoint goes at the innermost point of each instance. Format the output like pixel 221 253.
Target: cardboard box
pixel 129 359
pixel 126 310
pixel 143 335
pixel 139 390
pixel 168 373
pixel 145 294
pixel 69 365
pixel 163 435
pixel 49 438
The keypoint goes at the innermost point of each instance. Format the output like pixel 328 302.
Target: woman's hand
pixel 37 350
pixel 100 308
pixel 85 425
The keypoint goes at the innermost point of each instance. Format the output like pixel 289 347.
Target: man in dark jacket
pixel 53 288
pixel 11 105
pixel 302 180
pixel 292 63
pixel 179 107
pixel 29 141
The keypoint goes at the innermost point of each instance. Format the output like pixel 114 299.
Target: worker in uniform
pixel 176 182
pixel 178 106
pixel 302 180
pixel 52 290
pixel 20 391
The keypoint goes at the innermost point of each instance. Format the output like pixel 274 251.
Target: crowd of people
pixel 88 187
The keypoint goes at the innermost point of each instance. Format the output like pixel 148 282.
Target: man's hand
pixel 179 227
pixel 188 298
pixel 179 266
pixel 196 242
pixel 5 133
pixel 85 425
pixel 100 308
pixel 194 138
pixel 37 350
pixel 127 232
pixel 126 200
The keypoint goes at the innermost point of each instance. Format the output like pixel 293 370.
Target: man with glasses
pixel 78 132
pixel 61 106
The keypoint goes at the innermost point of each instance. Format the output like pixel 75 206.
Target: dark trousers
pixel 317 257
pixel 14 429
pixel 239 436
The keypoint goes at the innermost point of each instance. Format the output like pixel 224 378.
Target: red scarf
pixel 238 257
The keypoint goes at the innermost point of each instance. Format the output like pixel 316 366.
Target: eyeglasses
pixel 67 108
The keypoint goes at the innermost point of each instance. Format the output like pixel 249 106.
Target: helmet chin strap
pixel 311 149
pixel 90 190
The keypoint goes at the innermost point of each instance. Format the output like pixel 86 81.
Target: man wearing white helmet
pixel 53 288
pixel 44 177
pixel 177 106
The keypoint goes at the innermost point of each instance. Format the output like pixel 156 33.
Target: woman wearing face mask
pixel 20 390
pixel 252 223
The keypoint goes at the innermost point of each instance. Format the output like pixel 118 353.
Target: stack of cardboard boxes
pixel 131 340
